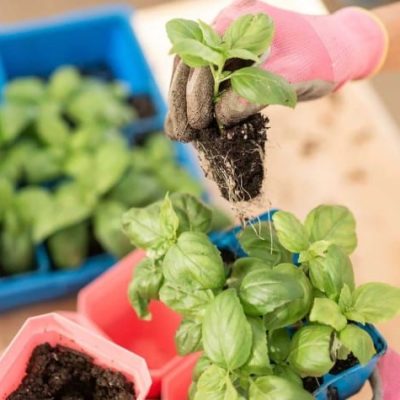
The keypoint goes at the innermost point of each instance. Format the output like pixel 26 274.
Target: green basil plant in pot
pixel 264 325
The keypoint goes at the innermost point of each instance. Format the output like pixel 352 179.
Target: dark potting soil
pixel 59 373
pixel 235 156
pixel 143 105
pixel 343 365
pixel 311 384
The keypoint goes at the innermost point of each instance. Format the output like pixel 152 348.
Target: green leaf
pixel 220 220
pixel 274 387
pixel 69 247
pixel 193 215
pixel 227 335
pixel 261 241
pixel 215 384
pixel 188 337
pixel 210 37
pixel 108 228
pixel 358 342
pixel 14 118
pixel 279 345
pixel 145 286
pixel 262 87
pixel 6 196
pixel 64 82
pixel 330 272
pixel 310 351
pixel 297 309
pixel 189 302
pixel 194 262
pixel 263 291
pixel 375 302
pixel 316 249
pixel 145 230
pixel 258 363
pixel 327 312
pixel 345 299
pixel 242 267
pixel 179 29
pixel 333 223
pixel 285 372
pixel 253 33
pixel 290 231
pixel 243 54
pixel 196 54
pixel 25 90
pixel 201 365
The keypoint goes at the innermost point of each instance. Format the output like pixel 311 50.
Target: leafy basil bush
pixel 67 131
pixel 262 323
pixel 247 38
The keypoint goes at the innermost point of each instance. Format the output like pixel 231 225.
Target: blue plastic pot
pixel 334 387
pixel 98 37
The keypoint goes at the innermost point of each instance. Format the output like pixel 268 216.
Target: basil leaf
pixel 333 223
pixel 285 372
pixel 147 228
pixel 243 54
pixel 64 82
pixel 193 215
pixel 14 118
pixel 196 54
pixel 375 302
pixel 145 286
pixel 330 272
pixel 253 33
pixel 210 37
pixel 274 387
pixel 220 220
pixel 263 291
pixel 69 247
pixel 215 384
pixel 290 231
pixel 327 312
pixel 188 337
pixel 6 196
pixel 297 309
pixel 194 262
pixel 316 249
pixel 227 335
pixel 279 345
pixel 108 229
pixel 310 351
pixel 258 363
pixel 185 300
pixel 201 365
pixel 262 87
pixel 261 241
pixel 345 299
pixel 179 29
pixel 358 342
pixel 242 267
pixel 25 90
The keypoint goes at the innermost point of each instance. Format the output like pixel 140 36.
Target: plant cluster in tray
pixel 268 321
pixel 232 155
pixel 67 172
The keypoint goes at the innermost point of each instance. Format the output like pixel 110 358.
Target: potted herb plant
pixel 53 356
pixel 275 311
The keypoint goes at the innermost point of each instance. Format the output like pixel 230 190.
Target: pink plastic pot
pixel 105 303
pixel 56 329
pixel 177 382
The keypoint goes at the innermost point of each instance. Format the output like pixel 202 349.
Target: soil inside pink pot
pixel 61 373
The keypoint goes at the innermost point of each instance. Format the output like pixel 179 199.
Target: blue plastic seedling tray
pixel 97 37
pixel 333 387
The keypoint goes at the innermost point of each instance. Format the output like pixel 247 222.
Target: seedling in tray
pixel 266 327
pixel 233 155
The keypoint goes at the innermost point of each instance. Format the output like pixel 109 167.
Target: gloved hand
pixel 316 54
pixel 386 379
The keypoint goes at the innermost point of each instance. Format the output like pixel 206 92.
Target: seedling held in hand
pixel 247 38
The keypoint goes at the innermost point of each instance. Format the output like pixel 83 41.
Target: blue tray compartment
pixel 345 384
pixel 101 36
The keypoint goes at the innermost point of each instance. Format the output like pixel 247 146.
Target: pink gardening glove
pixel 387 383
pixel 317 54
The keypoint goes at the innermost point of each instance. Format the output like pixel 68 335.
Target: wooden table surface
pixel 344 149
